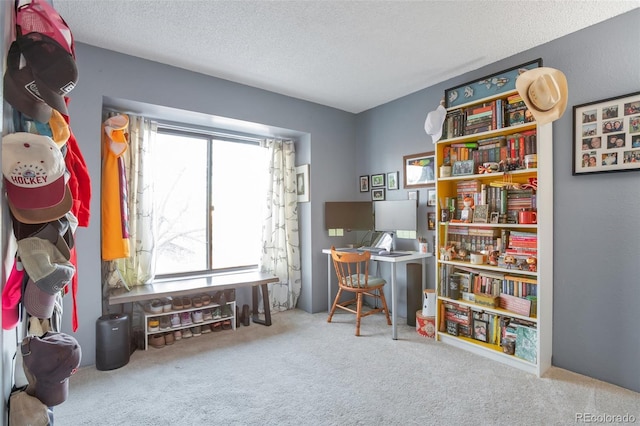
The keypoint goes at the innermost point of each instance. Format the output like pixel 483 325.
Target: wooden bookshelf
pixel 482 237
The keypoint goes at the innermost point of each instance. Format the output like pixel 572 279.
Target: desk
pixel 394 259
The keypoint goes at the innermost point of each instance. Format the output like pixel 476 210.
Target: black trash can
pixel 112 341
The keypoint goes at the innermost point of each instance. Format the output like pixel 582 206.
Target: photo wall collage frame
pixel 606 135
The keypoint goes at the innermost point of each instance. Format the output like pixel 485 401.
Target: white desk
pixel 393 259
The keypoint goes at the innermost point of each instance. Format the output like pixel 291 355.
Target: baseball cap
pixel 39 16
pixel 25 409
pixel 433 123
pixel 45 265
pixel 59 232
pixel 34 170
pixel 49 361
pixel 36 302
pixel 11 295
pixel 20 88
pixel 54 69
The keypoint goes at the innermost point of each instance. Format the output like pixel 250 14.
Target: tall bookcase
pixel 494 274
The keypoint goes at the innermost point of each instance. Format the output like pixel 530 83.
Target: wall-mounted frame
pixel 377 181
pixel 364 183
pixel 419 170
pixel 606 135
pixel 377 194
pixel 302 183
pixel 392 180
pixel 431 197
pixel 462 168
pixel 431 221
pixel 412 195
pixel 491 85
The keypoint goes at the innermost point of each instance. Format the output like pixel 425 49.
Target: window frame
pixel 212 135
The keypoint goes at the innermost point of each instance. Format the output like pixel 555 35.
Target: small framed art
pixel 461 168
pixel 377 194
pixel 364 183
pixel 419 170
pixel 392 180
pixel 377 181
pixel 431 221
pixel 412 195
pixel 302 183
pixel 606 135
pixel 431 197
pixel 480 330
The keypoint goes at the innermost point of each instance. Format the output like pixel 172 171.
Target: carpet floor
pixel 305 371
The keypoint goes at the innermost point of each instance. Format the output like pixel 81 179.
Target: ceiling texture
pixel 351 55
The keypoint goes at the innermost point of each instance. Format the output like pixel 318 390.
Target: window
pixel 209 194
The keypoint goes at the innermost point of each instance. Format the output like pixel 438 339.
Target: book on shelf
pixel 527 343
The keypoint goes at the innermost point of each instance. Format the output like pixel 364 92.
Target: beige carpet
pixel 305 371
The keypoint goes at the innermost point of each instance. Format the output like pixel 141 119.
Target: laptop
pixel 384 241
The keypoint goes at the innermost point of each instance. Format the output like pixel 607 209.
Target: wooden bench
pixel 184 287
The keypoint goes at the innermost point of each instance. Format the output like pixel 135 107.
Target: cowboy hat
pixel 544 91
pixel 434 121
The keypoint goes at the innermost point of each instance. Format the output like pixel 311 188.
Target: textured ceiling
pixel 351 55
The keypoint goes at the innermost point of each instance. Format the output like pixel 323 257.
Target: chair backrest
pixel 352 268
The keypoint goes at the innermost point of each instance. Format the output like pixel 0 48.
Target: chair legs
pixel 358 301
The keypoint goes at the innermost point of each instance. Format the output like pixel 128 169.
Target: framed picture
pixel 377 181
pixel 431 197
pixel 481 213
pixel 461 168
pixel 606 135
pixel 364 183
pixel 392 180
pixel 419 170
pixel 491 85
pixel 412 195
pixel 302 183
pixel 377 194
pixel 431 221
pixel 480 330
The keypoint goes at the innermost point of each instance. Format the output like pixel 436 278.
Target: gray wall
pixel 596 231
pixel 322 132
pixel 595 301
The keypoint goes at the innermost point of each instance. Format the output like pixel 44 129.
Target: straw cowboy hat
pixel 544 91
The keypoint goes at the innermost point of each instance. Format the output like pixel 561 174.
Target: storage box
pixel 487 300
pixel 425 325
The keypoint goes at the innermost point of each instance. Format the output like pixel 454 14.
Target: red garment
pixel 79 181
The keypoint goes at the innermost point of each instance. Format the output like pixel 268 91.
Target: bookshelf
pixel 494 273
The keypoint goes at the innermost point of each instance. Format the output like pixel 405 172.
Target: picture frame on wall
pixel 302 183
pixel 419 170
pixel 377 181
pixel 606 135
pixel 364 183
pixel 431 197
pixel 377 194
pixel 392 180
pixel 412 195
pixel 431 221
pixel 490 85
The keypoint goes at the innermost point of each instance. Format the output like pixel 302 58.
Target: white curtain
pixel 139 267
pixel 280 240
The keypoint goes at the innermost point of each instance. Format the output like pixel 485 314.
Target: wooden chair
pixel 352 270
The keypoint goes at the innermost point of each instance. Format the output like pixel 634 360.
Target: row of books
pixel 484 117
pixel 509 150
pixel 461 320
